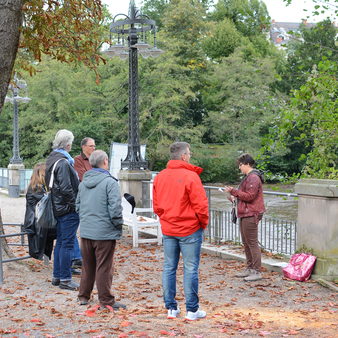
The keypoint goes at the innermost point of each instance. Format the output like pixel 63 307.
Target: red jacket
pixel 250 195
pixel 180 200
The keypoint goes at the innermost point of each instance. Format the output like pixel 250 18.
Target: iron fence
pixel 275 235
pixel 22 234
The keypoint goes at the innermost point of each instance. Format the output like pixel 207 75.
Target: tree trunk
pixel 10 23
pixel 6 250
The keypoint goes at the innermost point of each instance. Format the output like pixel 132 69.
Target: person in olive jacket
pixel 64 191
pixel 99 206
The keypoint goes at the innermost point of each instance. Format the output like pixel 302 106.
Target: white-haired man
pixel 64 191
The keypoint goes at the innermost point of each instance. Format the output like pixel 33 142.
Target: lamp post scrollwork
pixel 131 34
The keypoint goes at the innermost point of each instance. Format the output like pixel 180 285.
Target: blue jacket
pixel 99 206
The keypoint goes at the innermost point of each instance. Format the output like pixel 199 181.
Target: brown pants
pixel 249 233
pixel 97 262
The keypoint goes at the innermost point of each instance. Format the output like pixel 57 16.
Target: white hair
pixel 97 158
pixel 62 139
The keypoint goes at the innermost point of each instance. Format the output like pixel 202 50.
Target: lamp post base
pixel 131 183
pixel 14 179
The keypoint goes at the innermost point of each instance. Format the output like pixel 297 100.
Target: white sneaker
pixel 254 275
pixel 244 273
pixel 195 315
pixel 173 313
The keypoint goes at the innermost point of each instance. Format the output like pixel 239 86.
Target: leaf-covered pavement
pixel 31 307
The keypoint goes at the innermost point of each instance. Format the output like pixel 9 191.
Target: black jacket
pixel 65 184
pixel 40 240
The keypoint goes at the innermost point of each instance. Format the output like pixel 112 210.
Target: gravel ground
pixel 31 306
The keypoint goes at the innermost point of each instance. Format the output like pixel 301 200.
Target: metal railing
pixel 22 243
pixel 275 235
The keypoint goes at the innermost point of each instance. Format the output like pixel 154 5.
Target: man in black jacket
pixel 60 170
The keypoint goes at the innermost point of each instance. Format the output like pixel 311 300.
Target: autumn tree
pixel 65 30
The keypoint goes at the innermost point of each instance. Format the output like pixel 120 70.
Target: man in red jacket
pixel 250 209
pixel 181 203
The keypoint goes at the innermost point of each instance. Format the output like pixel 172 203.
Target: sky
pixel 277 9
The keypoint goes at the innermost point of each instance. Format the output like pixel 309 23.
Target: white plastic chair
pixel 139 223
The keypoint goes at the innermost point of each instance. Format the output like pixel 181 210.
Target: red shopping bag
pixel 300 267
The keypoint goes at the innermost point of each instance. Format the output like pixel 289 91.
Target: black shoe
pixel 83 301
pixel 76 271
pixel 118 306
pixel 69 285
pixel 76 263
pixel 55 281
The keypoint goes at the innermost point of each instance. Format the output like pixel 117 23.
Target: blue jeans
pixel 63 252
pixel 190 247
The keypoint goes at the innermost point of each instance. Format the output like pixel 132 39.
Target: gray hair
pixel 177 149
pixel 63 138
pixel 97 158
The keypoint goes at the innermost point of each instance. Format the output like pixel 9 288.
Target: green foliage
pixel 215 84
pixel 222 39
pixel 251 17
pixel 307 131
pixel 218 162
pixel 239 101
pixel 306 51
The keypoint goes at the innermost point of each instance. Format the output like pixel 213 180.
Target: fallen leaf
pixel 92 311
pixel 125 323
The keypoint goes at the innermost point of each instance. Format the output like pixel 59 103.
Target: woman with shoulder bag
pixel 250 209
pixel 40 239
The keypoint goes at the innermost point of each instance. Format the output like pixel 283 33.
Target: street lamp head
pixel 155 52
pixel 132 31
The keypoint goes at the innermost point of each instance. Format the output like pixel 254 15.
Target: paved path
pixel 31 306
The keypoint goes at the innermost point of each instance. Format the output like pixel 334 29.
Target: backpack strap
pixel 51 181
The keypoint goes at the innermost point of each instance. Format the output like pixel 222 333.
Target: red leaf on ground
pixel 123 335
pixel 37 321
pixel 92 311
pixel 125 323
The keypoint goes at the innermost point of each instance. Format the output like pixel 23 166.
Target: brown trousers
pixel 249 233
pixel 97 263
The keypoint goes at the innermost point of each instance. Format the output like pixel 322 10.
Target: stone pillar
pixel 14 179
pixel 131 182
pixel 317 226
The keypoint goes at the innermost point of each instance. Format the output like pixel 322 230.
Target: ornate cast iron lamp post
pixel 16 163
pixel 131 34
